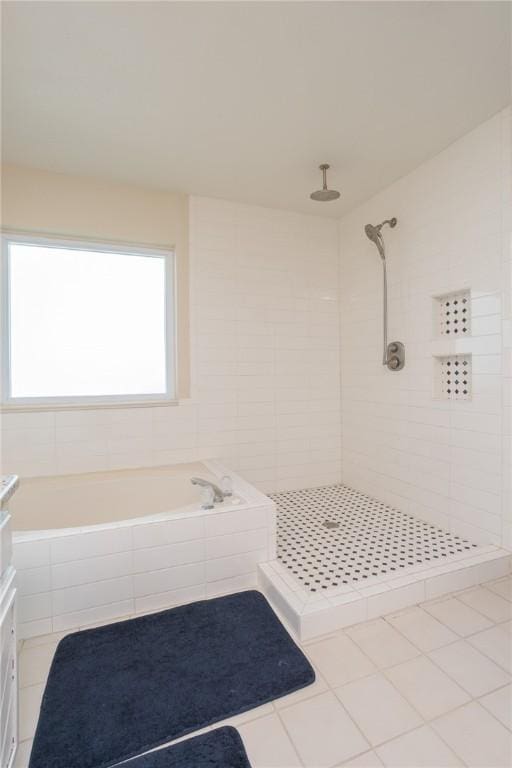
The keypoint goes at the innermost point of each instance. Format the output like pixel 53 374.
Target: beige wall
pixel 54 203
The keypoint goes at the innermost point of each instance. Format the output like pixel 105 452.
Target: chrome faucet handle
pixel 218 494
pixel 226 485
pixel 207 497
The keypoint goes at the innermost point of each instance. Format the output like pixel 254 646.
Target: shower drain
pixel 330 524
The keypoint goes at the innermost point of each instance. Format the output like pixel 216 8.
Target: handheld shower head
pixel 373 233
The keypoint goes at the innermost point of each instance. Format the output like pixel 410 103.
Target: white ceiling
pixel 244 100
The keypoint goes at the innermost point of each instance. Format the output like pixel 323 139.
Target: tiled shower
pixel 443 456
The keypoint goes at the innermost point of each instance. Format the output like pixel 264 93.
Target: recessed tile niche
pixel 453 377
pixel 452 360
pixel 454 314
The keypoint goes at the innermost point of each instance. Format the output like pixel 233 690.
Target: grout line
pixel 288 736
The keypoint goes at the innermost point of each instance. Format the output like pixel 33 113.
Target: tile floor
pixel 428 686
pixel 334 536
pixel 344 557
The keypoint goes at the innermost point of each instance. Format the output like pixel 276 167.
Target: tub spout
pixel 219 496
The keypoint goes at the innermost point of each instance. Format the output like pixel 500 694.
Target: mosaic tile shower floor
pixel 334 536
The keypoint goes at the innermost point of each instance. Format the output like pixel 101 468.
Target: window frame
pixel 167 253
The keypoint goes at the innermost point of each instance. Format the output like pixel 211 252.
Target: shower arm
pixel 324 168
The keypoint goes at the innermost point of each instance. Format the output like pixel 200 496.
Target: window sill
pixel 86 406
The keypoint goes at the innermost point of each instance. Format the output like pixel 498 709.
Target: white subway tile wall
pixel 446 462
pixel 266 342
pixel 265 348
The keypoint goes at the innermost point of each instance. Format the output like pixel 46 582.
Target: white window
pixel 86 323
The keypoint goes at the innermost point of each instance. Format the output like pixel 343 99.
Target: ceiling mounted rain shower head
pixel 324 195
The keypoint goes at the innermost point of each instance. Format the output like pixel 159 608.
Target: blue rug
pixel 221 748
pixel 119 690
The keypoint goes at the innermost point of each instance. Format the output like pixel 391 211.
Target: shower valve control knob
pixel 395 358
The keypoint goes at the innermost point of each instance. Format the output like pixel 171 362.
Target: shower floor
pixel 344 557
pixel 334 536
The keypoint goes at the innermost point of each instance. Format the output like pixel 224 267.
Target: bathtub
pixel 96 547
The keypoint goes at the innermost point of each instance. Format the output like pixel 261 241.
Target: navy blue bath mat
pixel 119 690
pixel 221 748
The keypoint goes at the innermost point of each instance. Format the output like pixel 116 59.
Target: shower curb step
pixel 310 615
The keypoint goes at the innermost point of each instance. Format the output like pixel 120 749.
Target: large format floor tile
pixel 23 754
pixel 54 638
pixel 34 664
pixel 502 587
pixel 29 703
pixel 496 644
pixel 322 732
pixel 378 709
pixel 421 748
pixel 488 603
pixel 367 760
pixel 458 616
pixel 268 744
pixel 500 704
pixel 422 629
pixel 319 686
pixel 244 717
pixel 382 643
pixel 476 736
pixel 507 625
pixel 340 660
pixel 427 687
pixel 471 669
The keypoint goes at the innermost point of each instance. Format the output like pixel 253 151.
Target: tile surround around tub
pixel 136 566
pixel 83 590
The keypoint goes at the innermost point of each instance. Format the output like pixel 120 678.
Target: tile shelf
pixel 445 347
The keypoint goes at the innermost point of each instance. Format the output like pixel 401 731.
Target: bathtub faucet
pixel 219 495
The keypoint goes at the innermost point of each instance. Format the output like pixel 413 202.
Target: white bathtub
pixel 96 547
